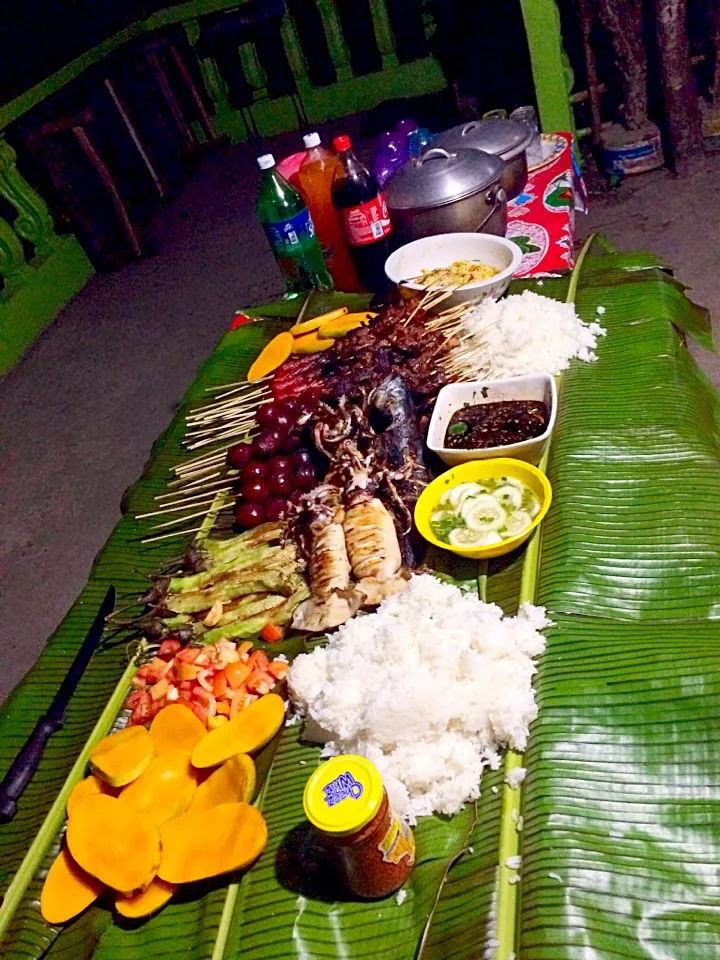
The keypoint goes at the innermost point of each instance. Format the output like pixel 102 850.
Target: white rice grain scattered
pixel 513 863
pixel 430 688
pixel 555 876
pixel 514 816
pixel 493 944
pixel 529 333
pixel 495 789
pixel 515 878
pixel 520 824
pixel 515 777
pixel 401 897
pixel 599 311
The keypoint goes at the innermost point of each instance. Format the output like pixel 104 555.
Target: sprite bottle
pixel 290 231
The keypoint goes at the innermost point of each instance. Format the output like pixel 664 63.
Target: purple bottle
pixel 389 155
pixel 404 128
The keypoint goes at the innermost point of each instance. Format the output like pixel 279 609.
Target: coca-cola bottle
pixel 364 215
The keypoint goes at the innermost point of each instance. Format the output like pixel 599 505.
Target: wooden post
pixel 335 39
pixel 681 101
pixel 550 66
pixel 383 33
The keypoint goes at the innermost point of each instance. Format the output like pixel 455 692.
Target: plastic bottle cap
pixel 342 143
pixel 266 161
pixel 343 795
pixel 311 140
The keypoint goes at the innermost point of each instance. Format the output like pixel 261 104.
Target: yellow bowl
pixel 479 471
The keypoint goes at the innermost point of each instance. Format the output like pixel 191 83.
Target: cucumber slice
pixel 464 537
pixel 483 513
pixel 509 496
pixel 517 522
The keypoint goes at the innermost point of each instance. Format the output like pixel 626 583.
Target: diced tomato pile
pixel 214 681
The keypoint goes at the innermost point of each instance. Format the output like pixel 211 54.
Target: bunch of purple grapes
pixel 279 465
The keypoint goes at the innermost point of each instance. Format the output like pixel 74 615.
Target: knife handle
pixel 23 767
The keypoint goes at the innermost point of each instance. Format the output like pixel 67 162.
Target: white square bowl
pixel 537 386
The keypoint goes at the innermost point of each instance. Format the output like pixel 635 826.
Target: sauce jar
pixel 346 802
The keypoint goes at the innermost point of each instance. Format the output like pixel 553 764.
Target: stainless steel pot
pixel 507 139
pixel 445 191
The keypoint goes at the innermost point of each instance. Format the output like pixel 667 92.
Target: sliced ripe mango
pixel 147 902
pixel 122 757
pixel 247 732
pixel 307 326
pixel 67 890
pixel 232 782
pixel 87 788
pixel 275 353
pixel 311 343
pixel 340 327
pixel 165 790
pixel 176 728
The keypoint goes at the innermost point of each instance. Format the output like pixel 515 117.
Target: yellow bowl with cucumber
pixel 483 508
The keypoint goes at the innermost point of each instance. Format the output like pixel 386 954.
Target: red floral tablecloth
pixel 542 219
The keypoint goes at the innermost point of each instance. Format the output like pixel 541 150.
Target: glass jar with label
pixel 346 802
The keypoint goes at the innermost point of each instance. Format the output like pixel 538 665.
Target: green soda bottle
pixel 290 231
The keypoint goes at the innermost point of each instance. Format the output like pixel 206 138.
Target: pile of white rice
pixel 526 333
pixel 430 687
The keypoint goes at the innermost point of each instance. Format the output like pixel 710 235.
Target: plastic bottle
pixel 290 231
pixel 388 157
pixel 364 215
pixel 315 178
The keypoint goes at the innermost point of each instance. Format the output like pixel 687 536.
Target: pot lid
pixel 440 176
pixel 502 138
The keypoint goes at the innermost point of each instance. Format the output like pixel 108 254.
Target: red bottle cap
pixel 342 143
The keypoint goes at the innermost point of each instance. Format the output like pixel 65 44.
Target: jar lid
pixel 501 138
pixel 343 795
pixel 439 176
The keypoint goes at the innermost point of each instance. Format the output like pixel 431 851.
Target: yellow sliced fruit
pixel 88 788
pixel 165 790
pixel 108 839
pixel 307 326
pixel 232 782
pixel 176 727
pixel 341 326
pixel 122 757
pixel 275 353
pixel 147 901
pixel 311 343
pixel 198 845
pixel 67 890
pixel 247 732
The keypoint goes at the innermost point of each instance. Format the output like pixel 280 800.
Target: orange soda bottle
pixel 315 178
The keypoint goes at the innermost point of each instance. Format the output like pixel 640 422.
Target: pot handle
pixel 498 196
pixel 469 127
pixel 433 152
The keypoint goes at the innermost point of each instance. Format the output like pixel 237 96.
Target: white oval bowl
pixel 454 396
pixel 440 251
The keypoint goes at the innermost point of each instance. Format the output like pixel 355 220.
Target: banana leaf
pixel 626 684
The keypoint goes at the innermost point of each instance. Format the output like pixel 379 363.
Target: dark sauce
pixel 481 425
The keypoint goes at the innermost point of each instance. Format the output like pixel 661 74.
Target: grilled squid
pixel 333 600
pixel 373 550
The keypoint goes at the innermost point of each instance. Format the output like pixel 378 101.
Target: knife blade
pixel 26 762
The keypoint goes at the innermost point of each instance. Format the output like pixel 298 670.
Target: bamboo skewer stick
pixel 165 536
pixel 175 508
pixel 229 435
pixel 175 494
pixel 176 520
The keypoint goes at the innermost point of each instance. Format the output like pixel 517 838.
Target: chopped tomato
pixel 139 703
pixel 172 675
pixel 185 686
pixel 258 660
pixel 259 682
pixel 205 699
pixel 220 684
pixel 278 668
pixel 205 678
pixel 160 667
pixel 139 682
pixel 270 633
pixel 188 654
pixel 168 648
pixel 237 673
pixel 148 673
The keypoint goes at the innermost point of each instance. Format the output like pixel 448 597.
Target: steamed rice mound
pixel 430 687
